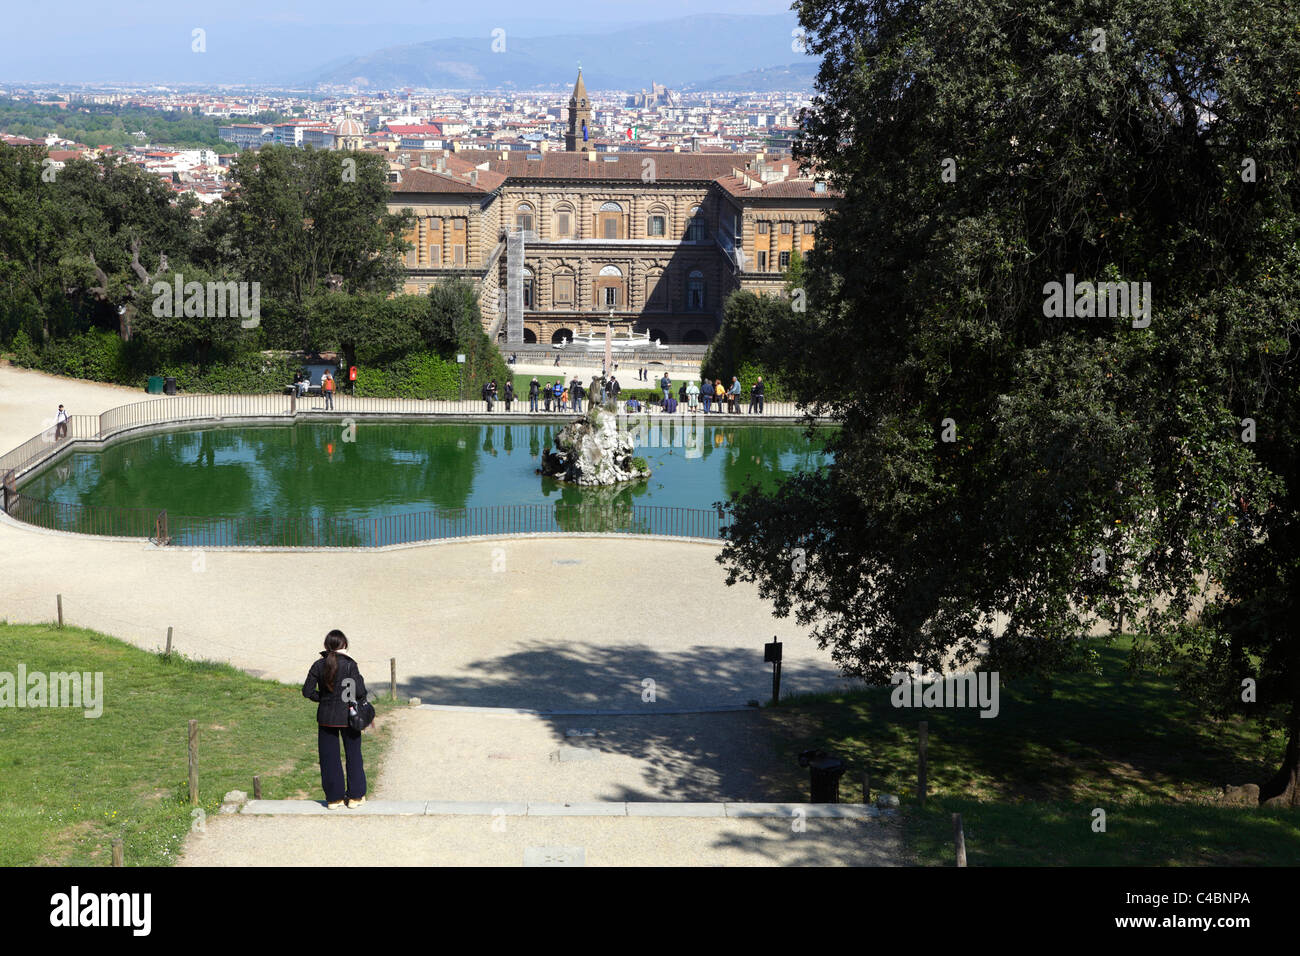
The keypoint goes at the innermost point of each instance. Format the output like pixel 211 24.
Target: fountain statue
pixel 593 450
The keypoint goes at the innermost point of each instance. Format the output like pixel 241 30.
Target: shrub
pixel 96 354
pixel 418 375
pixel 24 352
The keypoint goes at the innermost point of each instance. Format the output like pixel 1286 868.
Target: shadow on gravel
pixel 578 676
pixel 719 757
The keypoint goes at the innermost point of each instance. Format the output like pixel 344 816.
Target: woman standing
pixel 335 683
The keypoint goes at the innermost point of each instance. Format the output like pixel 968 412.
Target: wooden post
pixel 194 762
pixel 118 853
pixel 959 837
pixel 922 742
pixel 257 787
pixel 169 643
pixel 59 599
pixel 392 677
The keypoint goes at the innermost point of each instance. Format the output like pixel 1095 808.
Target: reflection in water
pixel 321 482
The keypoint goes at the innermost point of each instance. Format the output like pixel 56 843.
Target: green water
pixel 320 474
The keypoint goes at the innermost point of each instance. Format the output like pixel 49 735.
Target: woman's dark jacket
pixel 333 709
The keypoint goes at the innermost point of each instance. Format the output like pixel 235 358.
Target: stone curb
pixel 656 808
pixel 525 712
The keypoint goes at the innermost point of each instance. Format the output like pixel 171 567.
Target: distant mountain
pixel 793 76
pixel 678 53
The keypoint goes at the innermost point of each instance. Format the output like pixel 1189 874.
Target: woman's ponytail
pixel 334 642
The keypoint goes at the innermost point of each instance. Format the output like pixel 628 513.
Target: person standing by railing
pixel 756 396
pixel 733 396
pixel 510 394
pixel 61 423
pixel 327 389
pixel 692 396
pixel 533 389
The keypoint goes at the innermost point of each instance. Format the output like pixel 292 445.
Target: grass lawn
pixel 70 785
pixel 1026 782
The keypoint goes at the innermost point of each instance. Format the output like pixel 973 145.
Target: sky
pixel 87 41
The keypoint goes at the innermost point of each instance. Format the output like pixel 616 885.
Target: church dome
pixel 347 126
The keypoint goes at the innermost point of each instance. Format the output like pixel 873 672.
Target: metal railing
pixel 315 531
pixel 111 520
pixel 48 442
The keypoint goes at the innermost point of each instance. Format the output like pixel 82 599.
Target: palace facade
pixel 562 242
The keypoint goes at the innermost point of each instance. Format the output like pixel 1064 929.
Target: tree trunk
pixel 1286 782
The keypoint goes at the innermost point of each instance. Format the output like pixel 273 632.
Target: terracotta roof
pixel 793 189
pixel 422 129
pixel 419 180
pixel 788 189
pixel 626 166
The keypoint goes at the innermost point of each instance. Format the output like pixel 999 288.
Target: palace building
pixel 563 242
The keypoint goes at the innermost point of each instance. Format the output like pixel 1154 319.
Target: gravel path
pixel 710 758
pixel 605 841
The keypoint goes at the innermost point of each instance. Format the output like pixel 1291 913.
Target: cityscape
pixel 837 434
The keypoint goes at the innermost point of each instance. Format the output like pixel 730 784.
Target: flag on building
pixel 633 132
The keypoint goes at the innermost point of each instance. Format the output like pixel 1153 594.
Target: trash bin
pixel 155 385
pixel 825 772
pixel 169 386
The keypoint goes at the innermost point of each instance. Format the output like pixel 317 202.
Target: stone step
pixel 656 808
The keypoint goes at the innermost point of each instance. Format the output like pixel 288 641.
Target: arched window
pixel 608 288
pixel 695 230
pixel 524 216
pixel 563 220
pixel 695 291
pixel 656 290
pixel 563 288
pixel 610 221
pixel 659 335
pixel 530 337
pixel 561 335
pixel 695 337
pixel 528 288
pixel 657 222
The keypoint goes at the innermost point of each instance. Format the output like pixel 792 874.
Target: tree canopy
pixel 1010 474
pixel 299 216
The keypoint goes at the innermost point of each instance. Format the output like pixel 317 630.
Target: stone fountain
pixel 593 450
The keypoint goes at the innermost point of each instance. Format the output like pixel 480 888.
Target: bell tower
pixel 578 138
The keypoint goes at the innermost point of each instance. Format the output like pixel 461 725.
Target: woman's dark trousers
pixel 331 767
